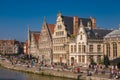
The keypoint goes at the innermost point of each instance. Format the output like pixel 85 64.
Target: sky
pixel 17 15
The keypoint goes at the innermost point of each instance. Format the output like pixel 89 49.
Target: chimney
pixel 93 20
pixel 75 25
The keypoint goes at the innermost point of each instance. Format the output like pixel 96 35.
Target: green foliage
pixel 72 36
pixel 92 61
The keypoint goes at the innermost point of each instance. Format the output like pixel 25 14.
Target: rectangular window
pixel 83 58
pixel 91 48
pixel 79 58
pixel 74 48
pixel 71 48
pixel 98 48
pixel 83 48
pixel 79 48
pixel 80 37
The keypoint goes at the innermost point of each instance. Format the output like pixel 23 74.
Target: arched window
pixel 114 50
pixel 108 49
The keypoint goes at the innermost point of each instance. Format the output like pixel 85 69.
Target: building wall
pixel 110 41
pixel 60 42
pixel 96 54
pixel 78 55
pixel 79 49
pixel 9 46
pixel 33 48
pixel 45 45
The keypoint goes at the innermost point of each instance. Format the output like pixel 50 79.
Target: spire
pixel 44 18
pixel 28 28
pixel 28 39
pixel 81 24
pixel 44 21
pixel 59 13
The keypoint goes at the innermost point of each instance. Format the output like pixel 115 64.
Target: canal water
pixel 6 74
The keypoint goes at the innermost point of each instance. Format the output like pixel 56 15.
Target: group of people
pixel 96 69
pixel 114 72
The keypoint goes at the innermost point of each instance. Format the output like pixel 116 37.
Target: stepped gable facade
pixel 33 39
pixel 45 43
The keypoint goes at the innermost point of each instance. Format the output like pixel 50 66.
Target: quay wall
pixel 49 72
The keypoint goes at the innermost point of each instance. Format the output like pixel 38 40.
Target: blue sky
pixel 16 15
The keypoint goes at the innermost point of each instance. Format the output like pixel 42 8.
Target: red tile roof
pixel 8 41
pixel 51 28
pixel 36 37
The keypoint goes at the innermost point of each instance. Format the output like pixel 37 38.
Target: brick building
pixel 10 47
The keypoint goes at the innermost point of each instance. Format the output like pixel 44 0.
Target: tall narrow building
pixel 33 38
pixel 45 43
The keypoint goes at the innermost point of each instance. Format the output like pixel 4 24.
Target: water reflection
pixel 6 74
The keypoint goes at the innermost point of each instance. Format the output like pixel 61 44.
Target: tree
pixel 106 61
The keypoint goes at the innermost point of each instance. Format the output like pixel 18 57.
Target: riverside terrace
pixel 61 71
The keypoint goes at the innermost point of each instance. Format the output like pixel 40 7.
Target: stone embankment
pixel 51 72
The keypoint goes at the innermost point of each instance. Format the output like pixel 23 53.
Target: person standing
pixel 78 69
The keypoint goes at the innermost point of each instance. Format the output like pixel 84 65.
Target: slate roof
pixel 90 33
pixel 114 33
pixel 68 21
pixel 96 33
pixel 84 21
pixel 100 33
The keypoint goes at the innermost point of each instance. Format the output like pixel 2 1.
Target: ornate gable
pixel 60 28
pixel 45 32
pixel 81 36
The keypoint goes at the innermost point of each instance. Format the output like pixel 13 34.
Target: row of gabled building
pixel 72 41
pixel 8 47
